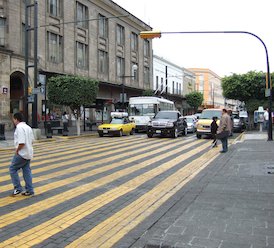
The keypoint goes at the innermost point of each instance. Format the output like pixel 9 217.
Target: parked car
pixel 191 123
pixel 238 124
pixel 204 122
pixel 119 125
pixel 167 123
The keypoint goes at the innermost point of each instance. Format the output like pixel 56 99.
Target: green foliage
pixel 148 92
pixel 72 91
pixel 194 99
pixel 253 104
pixel 245 87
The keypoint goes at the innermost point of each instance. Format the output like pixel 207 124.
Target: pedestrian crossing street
pixel 91 192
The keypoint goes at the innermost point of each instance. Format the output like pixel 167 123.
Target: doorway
pixel 17 92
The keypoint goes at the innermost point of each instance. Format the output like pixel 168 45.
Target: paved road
pixel 93 192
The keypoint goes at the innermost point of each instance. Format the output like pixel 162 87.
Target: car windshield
pixel 189 119
pixel 117 121
pixel 167 115
pixel 208 114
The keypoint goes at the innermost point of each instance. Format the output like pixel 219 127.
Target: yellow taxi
pixel 205 119
pixel 120 125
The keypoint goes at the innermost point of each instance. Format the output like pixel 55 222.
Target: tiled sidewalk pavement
pixel 228 205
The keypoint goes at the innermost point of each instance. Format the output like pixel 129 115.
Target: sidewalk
pixel 230 204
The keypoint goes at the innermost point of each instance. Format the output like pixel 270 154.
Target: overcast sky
pixel 222 53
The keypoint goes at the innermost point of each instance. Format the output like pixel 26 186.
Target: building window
pixel 81 55
pixel 120 35
pixel 134 42
pixel 2 31
pixel 162 84
pixel 103 26
pixel 146 48
pixel 103 62
pixel 120 67
pixel 134 73
pixel 82 15
pixel 173 87
pixel 55 48
pixel 54 8
pixel 146 75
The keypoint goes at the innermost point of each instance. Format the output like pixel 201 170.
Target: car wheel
pixel 199 136
pixel 175 133
pixel 100 134
pixel 149 135
pixel 120 133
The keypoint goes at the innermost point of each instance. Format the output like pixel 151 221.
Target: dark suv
pixel 167 123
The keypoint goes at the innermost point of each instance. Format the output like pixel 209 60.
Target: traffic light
pixel 150 34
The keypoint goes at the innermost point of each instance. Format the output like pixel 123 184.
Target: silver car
pixel 191 123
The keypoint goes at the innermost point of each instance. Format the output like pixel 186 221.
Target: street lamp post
pixel 157 34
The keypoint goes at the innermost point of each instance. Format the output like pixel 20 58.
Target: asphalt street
pixel 138 192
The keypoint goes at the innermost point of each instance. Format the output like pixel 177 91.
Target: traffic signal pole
pixel 157 34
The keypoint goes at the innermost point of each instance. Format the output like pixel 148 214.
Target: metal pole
pixel 270 138
pixel 34 105
pixel 26 83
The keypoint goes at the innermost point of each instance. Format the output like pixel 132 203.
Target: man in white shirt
pixel 23 138
pixel 266 118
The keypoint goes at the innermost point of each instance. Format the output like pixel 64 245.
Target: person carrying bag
pixel 224 130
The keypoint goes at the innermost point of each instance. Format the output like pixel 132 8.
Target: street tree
pixel 148 92
pixel 194 99
pixel 74 92
pixel 248 88
pixel 244 87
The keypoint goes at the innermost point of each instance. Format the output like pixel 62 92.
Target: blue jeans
pixel 224 144
pixel 18 163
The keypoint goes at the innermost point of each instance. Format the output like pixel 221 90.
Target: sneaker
pixel 26 193
pixel 15 192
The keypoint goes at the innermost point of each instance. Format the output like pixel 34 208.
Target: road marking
pixel 57 199
pixel 78 168
pixel 45 230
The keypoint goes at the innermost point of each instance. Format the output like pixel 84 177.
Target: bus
pixel 143 108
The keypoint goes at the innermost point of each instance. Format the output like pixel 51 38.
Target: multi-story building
pixel 96 39
pixel 209 84
pixel 172 81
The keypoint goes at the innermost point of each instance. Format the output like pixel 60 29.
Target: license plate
pixel 105 131
pixel 158 131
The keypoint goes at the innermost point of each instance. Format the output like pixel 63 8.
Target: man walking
pixel 225 128
pixel 23 138
pixel 266 119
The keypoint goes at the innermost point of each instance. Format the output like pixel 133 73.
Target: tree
pixel 194 99
pixel 248 88
pixel 244 87
pixel 148 92
pixel 74 92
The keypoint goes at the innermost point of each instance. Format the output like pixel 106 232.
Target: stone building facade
pixel 96 39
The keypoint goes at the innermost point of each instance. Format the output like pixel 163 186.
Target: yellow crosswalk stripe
pixel 59 223
pixel 86 165
pixel 82 155
pixel 110 231
pixel 56 157
pixel 80 190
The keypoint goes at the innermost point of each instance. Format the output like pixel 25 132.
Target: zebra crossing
pixel 90 192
